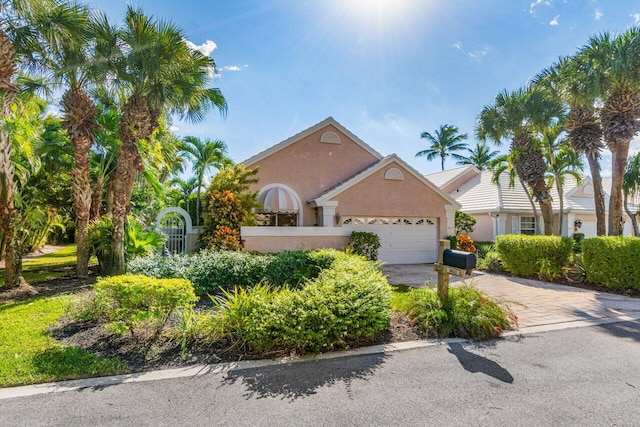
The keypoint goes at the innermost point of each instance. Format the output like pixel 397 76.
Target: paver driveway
pixel 535 303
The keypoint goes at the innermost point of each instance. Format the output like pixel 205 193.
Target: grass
pixel 49 266
pixel 28 355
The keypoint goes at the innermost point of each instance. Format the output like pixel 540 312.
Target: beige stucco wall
pixel 376 196
pixel 265 244
pixel 310 167
pixel 484 228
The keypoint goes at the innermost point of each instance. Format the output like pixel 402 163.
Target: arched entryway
pixel 175 224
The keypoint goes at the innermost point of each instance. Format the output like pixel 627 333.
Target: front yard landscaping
pixel 250 306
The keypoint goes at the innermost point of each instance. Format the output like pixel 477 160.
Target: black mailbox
pixel 459 259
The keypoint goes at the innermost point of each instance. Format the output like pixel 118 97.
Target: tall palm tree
pixel 631 189
pixel 69 61
pixel 161 75
pixel 204 155
pixel 562 161
pixel 610 67
pixel 444 142
pixel 480 156
pixel 25 26
pixel 184 190
pixel 520 116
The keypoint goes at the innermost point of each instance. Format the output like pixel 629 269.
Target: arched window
pixel 278 207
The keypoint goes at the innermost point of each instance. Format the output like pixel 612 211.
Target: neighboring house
pixel 318 186
pixel 504 209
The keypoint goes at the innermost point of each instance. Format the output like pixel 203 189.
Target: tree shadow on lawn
pixel 292 381
pixel 61 363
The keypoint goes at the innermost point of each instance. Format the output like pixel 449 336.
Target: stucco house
pixel 318 186
pixel 505 209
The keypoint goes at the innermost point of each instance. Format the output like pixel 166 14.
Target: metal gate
pixel 173 226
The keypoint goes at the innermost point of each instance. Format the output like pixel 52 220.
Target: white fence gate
pixel 175 224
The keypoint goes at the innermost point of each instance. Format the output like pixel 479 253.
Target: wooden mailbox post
pixel 463 265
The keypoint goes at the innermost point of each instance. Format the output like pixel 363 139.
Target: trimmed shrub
pixel 483 248
pixel 534 256
pixel 578 238
pixel 454 242
pixel 211 272
pixel 490 262
pixel 465 243
pixel 467 313
pixel 613 262
pixel 366 244
pixel 134 302
pixel 348 301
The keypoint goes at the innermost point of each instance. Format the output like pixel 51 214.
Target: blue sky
pixel 386 69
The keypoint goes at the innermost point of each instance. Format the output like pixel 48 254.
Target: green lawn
pixel 28 355
pixel 49 266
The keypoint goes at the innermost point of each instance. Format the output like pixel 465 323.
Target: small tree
pixel 224 214
pixel 464 222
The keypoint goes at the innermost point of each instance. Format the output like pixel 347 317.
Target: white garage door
pixel 402 240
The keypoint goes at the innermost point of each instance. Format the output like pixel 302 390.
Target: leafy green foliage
pixel 464 222
pixel 366 244
pixel 467 313
pixel 348 301
pixel 453 240
pixel 483 248
pixel 224 214
pixel 534 256
pixel 210 272
pixel 237 179
pixel 133 303
pixel 578 239
pixel 613 262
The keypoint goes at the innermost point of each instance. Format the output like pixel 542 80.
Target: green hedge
pixel 348 301
pixel 534 256
pixel 366 244
pixel 133 302
pixel 212 272
pixel 613 262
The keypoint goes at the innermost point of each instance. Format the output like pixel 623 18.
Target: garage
pixel 402 240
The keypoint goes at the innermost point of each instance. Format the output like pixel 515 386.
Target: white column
pixel 328 214
pixel 501 220
pixel 450 211
pixel 571 218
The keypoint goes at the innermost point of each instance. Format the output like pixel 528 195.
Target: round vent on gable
pixel 330 138
pixel 394 174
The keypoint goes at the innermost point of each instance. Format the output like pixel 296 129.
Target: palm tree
pixel 69 60
pixel 520 116
pixel 184 190
pixel 23 27
pixel 610 69
pixel 160 75
pixel 562 161
pixel 503 164
pixel 480 156
pixel 447 139
pixel 631 189
pixel 204 155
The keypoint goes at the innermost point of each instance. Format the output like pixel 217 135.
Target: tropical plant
pixel 464 222
pixel 224 215
pixel 519 116
pixel 444 142
pixel 566 79
pixel 610 65
pixel 159 74
pixel 562 161
pixel 237 179
pixel 480 156
pixel 204 155
pixel 631 189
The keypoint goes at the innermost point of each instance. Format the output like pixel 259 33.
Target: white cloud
pixel 554 21
pixel 205 48
pixel 597 15
pixel 536 3
pixel 173 128
pixel 230 68
pixel 475 55
pixel 636 17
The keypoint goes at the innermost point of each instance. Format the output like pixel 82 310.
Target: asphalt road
pixel 585 376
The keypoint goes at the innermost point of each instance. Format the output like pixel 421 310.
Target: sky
pixel 387 70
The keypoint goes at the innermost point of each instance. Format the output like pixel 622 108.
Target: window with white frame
pixel 527 225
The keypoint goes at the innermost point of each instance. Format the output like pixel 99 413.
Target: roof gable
pixel 328 122
pixel 361 175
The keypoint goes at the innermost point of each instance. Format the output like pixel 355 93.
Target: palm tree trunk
pixel 96 199
pixel 540 190
pixel 598 192
pixel 9 214
pixel 533 206
pixel 619 163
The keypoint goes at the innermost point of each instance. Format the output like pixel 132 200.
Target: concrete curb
pixel 220 368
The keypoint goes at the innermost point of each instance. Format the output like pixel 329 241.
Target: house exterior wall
pixel 310 167
pixel 276 239
pixel 377 196
pixel 484 228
